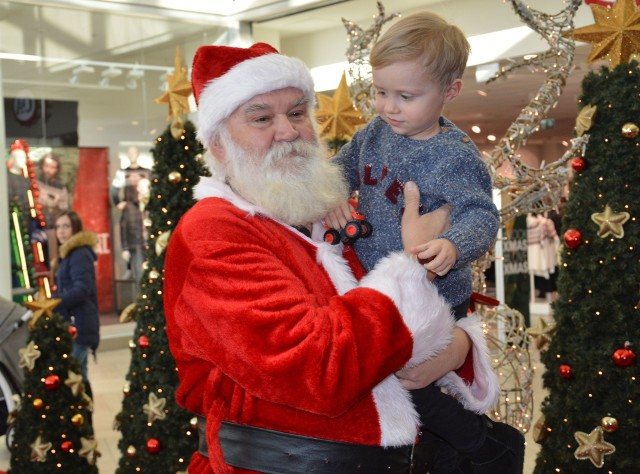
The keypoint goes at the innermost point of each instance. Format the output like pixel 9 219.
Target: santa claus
pixel 285 350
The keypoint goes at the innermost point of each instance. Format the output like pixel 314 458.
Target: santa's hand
pixel 126 255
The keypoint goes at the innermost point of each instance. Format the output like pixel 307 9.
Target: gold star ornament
pixel 337 116
pixel 39 450
pixel 89 450
pixel 585 118
pixel 28 356
pixel 74 382
pixel 593 447
pixel 541 333
pixel 178 90
pixel 615 36
pixel 41 306
pixel 610 222
pixel 155 408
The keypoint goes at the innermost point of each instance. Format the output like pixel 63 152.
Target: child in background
pixel 417 68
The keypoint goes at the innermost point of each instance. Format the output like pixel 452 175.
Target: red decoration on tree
pixel 578 164
pixel 565 371
pixel 66 446
pixel 52 382
pixel 624 357
pixel 143 342
pixel 153 446
pixel 73 331
pixel 573 238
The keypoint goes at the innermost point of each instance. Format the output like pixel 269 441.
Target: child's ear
pixel 452 91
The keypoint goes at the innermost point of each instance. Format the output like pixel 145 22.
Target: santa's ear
pixel 217 150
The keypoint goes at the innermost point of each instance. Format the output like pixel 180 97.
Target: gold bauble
pixel 194 422
pixel 131 451
pixel 147 223
pixel 609 424
pixel 174 177
pixel 630 130
pixel 77 420
pixel 38 403
pixel 153 275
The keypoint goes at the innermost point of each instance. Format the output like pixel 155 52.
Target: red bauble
pixel 66 446
pixel 624 357
pixel 143 342
pixel 565 371
pixel 73 331
pixel 153 446
pixel 573 238
pixel 578 164
pixel 52 382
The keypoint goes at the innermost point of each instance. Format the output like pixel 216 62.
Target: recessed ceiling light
pixel 482 93
pixel 491 138
pixel 476 129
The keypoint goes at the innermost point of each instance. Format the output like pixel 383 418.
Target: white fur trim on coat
pixel 482 395
pixel 252 77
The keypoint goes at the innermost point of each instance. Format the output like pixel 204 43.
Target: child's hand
pixel 338 217
pixel 440 255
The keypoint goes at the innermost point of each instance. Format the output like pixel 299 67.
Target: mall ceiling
pixel 148 31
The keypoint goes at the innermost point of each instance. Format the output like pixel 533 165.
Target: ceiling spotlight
pixel 111 72
pixel 83 68
pixel 491 138
pixel 136 73
pixel 104 82
pixel 73 79
pixel 476 129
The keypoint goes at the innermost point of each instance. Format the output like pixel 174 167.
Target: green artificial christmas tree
pixel 53 432
pixel 591 416
pixel 158 436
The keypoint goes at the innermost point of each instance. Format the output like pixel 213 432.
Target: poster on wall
pixel 69 178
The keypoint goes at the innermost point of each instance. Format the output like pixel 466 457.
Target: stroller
pixel 13 336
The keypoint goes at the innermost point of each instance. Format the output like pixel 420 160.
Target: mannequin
pixel 54 196
pixel 125 196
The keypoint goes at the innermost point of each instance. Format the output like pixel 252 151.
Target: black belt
pixel 275 452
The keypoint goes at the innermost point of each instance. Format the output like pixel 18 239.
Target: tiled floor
pixel 107 379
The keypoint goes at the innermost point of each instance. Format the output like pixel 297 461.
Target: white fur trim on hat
pixel 247 79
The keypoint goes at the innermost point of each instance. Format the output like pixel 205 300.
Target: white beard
pixel 295 189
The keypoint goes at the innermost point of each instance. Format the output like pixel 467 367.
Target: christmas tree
pixel 52 428
pixel 157 434
pixel 591 416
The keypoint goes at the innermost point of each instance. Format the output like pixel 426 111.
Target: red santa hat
pixel 225 77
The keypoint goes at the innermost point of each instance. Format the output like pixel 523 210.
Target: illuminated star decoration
pixel 178 90
pixel 74 382
pixel 541 333
pixel 39 450
pixel 337 117
pixel 593 447
pixel 155 408
pixel 89 450
pixel 610 222
pixel 42 306
pixel 615 34
pixel 28 356
pixel 585 118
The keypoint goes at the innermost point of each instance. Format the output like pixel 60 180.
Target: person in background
pixel 417 67
pixel 285 350
pixel 76 287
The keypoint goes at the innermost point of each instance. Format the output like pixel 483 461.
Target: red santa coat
pixel 271 329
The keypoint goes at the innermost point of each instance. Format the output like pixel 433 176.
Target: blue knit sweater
pixel 447 168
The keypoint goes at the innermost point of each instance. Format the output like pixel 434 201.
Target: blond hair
pixel 441 47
